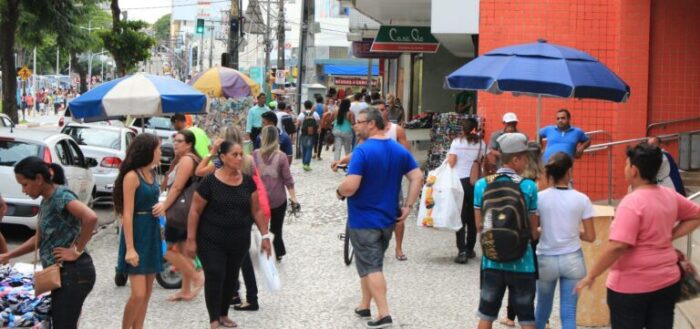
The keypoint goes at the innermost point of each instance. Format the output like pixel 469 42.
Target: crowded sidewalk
pixel 318 290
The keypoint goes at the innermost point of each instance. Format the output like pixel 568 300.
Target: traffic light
pixel 200 26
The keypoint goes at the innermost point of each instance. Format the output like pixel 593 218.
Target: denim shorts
pixel 521 287
pixel 369 245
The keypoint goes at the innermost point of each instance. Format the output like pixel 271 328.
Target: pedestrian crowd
pixel 44 101
pixel 519 200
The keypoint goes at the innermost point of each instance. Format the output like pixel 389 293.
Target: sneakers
pixel 306 167
pixel 462 258
pixel 384 322
pixel 364 313
pixel 471 254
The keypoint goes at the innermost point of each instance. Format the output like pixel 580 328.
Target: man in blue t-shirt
pixel 564 137
pixel 269 118
pixel 372 188
pixel 518 275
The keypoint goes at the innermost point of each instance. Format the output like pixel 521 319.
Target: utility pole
pixel 280 36
pixel 34 71
pixel 306 10
pixel 211 45
pixel 102 61
pixel 369 75
pixel 234 34
pixel 200 53
pixel 268 46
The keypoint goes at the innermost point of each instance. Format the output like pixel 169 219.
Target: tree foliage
pixel 129 45
pixel 162 29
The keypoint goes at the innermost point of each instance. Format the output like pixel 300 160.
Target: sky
pixel 148 11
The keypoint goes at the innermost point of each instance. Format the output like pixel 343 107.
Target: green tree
pixel 125 42
pixel 162 29
pixel 32 18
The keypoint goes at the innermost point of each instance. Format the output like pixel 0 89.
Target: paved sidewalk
pixel 318 290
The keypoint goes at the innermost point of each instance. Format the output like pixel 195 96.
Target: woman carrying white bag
pixel 465 155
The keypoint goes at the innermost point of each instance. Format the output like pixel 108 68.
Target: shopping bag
pixel 263 264
pixel 441 200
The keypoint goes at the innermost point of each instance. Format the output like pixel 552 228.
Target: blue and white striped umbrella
pixel 138 95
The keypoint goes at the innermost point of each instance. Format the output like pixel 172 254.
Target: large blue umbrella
pixel 138 95
pixel 540 69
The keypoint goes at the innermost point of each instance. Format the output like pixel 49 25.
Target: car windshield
pixel 96 137
pixel 12 152
pixel 159 123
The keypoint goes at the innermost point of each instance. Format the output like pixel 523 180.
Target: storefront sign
pixel 406 39
pixel 361 49
pixel 359 82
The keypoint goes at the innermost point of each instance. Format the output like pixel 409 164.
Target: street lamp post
pixel 89 29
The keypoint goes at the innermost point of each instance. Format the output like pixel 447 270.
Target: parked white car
pixel 107 145
pixel 5 120
pixel 161 127
pixel 17 144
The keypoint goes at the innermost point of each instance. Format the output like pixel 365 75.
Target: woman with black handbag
pixel 64 228
pixel 465 154
pixel 181 185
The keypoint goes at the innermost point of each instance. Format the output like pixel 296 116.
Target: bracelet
pixel 79 252
pixel 266 236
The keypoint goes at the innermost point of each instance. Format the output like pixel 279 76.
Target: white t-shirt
pixel 466 154
pixel 280 115
pixel 561 213
pixel 356 107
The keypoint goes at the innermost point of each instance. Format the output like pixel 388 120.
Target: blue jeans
pixel 568 269
pixel 307 148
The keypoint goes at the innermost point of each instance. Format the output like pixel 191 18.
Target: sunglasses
pixel 361 121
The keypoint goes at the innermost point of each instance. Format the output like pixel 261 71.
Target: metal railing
pixel 689 249
pixel 609 146
pixel 610 157
pixel 669 122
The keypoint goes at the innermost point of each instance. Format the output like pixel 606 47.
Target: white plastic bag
pixel 263 264
pixel 441 200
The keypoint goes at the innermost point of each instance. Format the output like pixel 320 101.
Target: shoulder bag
pixel 176 215
pixel 49 278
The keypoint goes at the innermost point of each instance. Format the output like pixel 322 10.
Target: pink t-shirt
pixel 645 219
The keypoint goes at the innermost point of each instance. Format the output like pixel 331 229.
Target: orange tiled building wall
pixel 653 45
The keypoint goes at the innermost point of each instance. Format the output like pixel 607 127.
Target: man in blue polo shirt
pixel 564 137
pixel 372 188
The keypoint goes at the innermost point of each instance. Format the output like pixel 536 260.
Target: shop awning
pixel 336 69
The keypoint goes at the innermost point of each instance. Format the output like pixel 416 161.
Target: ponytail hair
pixel 31 167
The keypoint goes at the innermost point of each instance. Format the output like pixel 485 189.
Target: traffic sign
pixel 24 73
pixel 280 77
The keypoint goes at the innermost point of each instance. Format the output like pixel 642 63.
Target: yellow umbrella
pixel 225 82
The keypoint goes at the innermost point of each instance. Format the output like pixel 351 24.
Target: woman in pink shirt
pixel 644 279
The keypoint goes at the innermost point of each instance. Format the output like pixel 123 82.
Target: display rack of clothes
pixel 18 305
pixel 445 127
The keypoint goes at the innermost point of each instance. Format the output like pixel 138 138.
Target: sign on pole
pixel 280 77
pixel 24 73
pixel 405 39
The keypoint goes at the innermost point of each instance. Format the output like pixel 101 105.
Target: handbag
pixel 176 215
pixel 476 171
pixel 49 278
pixel 690 282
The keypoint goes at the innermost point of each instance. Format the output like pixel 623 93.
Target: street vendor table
pixel 592 310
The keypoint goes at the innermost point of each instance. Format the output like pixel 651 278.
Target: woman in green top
pixel 65 227
pixel 343 120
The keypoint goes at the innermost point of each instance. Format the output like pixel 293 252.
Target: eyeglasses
pixel 359 122
pixel 178 140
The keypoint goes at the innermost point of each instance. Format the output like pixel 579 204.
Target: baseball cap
pixel 512 143
pixel 510 117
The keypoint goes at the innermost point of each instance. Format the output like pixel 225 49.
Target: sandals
pixel 227 323
pixel 507 322
pixel 401 257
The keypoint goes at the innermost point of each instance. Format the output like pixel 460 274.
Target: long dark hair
pixel 189 138
pixel 138 155
pixel 468 128
pixel 343 111
pixel 32 166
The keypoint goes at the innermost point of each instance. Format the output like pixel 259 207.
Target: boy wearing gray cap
pixel 505 206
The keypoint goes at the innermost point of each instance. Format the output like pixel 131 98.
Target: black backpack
pixel 288 124
pixel 309 127
pixel 506 225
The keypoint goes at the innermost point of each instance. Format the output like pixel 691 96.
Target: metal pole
pixel 102 68
pixel 369 76
pixel 268 48
pixel 302 49
pixel 57 53
pixel 211 45
pixel 537 124
pixel 200 52
pixel 610 192
pixel 233 34
pixel 34 71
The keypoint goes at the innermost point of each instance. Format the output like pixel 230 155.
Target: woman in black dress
pixel 221 216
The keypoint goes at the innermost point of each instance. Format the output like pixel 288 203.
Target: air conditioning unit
pixel 689 151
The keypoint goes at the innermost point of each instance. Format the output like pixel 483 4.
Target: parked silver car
pixel 107 145
pixel 161 127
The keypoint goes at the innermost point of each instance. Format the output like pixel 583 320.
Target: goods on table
pixel 223 113
pixel 18 305
pixel 446 126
